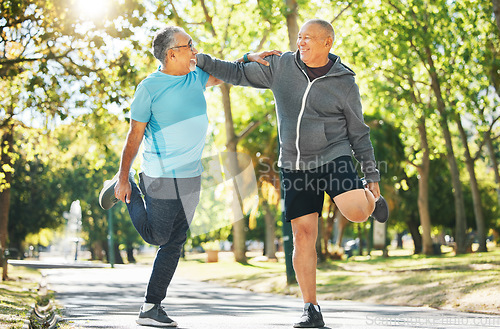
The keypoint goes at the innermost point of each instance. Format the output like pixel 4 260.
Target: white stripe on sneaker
pixel 151 322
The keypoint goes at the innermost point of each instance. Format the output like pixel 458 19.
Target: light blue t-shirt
pixel 176 112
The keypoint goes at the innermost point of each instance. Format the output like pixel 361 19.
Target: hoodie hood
pixel 338 68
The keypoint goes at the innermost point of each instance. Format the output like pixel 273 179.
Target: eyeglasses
pixel 190 45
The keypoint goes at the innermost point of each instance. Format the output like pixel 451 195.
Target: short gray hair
pixel 326 26
pixel 164 40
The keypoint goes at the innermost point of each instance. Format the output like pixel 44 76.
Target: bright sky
pixel 92 9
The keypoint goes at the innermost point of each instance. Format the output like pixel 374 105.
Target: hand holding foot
pixel 123 189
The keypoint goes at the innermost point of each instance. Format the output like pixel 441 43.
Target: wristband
pixel 245 58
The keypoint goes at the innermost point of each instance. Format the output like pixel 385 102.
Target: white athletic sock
pixel 147 306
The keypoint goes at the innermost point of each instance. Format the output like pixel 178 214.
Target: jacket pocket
pixel 312 138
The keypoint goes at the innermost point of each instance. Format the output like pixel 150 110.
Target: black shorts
pixel 304 190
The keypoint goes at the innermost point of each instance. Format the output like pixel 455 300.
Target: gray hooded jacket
pixel 318 121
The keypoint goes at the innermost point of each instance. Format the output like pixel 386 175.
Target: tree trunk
pixel 415 234
pixel 423 191
pixel 476 195
pixel 496 10
pixel 239 247
pixel 97 251
pixel 342 224
pixel 423 211
pixel 328 227
pixel 319 250
pixel 269 245
pixel 5 169
pixel 461 224
pixel 399 240
pixel 118 255
pixel 130 255
pixel 292 26
pixel 291 23
pixel 494 162
pixel 361 238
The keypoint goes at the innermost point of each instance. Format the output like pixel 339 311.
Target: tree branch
pixel 262 41
pixel 250 128
pixel 226 32
pixel 412 14
pixel 49 56
pixel 7 120
pixel 178 20
pixel 411 163
pixel 341 12
pixel 208 18
pixel 480 147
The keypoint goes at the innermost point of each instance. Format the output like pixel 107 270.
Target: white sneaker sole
pixel 154 323
pixel 107 197
pixel 104 196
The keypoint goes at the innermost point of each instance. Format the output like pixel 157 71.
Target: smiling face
pixel 314 44
pixel 183 54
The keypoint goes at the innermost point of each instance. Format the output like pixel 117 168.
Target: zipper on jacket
pixel 301 114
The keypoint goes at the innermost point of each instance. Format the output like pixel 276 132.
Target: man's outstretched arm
pixel 255 57
pixel 252 74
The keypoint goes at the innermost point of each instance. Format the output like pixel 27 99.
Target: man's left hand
pixel 374 188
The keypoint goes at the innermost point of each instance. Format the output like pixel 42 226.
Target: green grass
pixel 467 282
pixel 17 296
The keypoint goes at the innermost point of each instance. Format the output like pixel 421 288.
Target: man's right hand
pixel 259 57
pixel 123 190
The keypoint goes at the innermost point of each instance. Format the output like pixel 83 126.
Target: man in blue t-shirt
pixel 169 113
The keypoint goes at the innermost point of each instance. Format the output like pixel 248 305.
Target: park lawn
pixel 467 283
pixel 17 296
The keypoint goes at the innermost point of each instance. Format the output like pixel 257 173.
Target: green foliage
pixel 65 166
pixel 65 69
pixel 36 190
pixel 86 167
pixel 53 52
pixel 400 46
pixel 59 59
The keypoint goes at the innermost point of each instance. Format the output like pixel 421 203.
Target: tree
pixel 262 145
pixel 85 163
pixel 491 64
pixel 225 37
pixel 51 51
pixel 396 89
pixel 496 11
pixel 37 198
pixel 443 48
pixel 6 175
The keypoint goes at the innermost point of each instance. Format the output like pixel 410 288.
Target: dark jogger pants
pixel 162 218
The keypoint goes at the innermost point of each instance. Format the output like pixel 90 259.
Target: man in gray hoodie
pixel 321 125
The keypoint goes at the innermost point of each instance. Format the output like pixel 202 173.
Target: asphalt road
pixel 110 298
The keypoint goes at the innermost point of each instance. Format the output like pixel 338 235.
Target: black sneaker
pixel 156 317
pixel 310 318
pixel 107 197
pixel 381 212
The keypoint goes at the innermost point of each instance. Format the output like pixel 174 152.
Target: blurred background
pixel 428 71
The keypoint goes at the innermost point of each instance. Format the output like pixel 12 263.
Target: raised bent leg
pixel 356 205
pixel 154 222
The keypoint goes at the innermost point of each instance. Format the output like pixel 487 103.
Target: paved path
pixel 110 298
